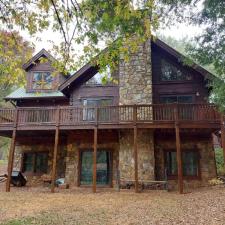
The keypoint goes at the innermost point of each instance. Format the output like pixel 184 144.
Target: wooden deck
pixel 175 116
pixel 111 117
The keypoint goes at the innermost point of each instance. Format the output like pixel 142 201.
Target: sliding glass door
pixel 103 167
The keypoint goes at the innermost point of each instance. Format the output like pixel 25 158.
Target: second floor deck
pixel 122 116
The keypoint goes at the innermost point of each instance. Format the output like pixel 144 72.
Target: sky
pixel 177 31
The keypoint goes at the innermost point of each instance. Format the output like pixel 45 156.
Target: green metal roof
pixel 21 94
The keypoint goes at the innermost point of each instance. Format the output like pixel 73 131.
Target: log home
pixel 155 125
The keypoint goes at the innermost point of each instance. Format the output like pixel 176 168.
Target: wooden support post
pixel 55 151
pixel 179 160
pixel 12 152
pixel 223 137
pixel 135 160
pixel 178 148
pixel 95 159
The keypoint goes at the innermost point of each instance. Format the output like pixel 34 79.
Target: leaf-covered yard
pixel 80 206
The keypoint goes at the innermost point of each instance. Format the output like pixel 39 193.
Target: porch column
pixel 135 160
pixel 223 136
pixel 95 159
pixel 11 152
pixel 55 151
pixel 179 160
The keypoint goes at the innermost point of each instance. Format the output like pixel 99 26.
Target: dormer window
pixel 42 81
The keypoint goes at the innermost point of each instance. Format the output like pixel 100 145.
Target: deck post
pixel 135 149
pixel 135 161
pixel 223 137
pixel 179 160
pixel 178 150
pixel 12 152
pixel 55 151
pixel 95 159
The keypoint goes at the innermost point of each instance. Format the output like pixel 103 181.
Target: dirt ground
pixel 79 206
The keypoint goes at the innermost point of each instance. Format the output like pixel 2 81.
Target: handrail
pixel 113 114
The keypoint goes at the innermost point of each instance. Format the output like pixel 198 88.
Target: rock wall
pixel 146 161
pixel 40 144
pixel 80 140
pixel 135 87
pixel 203 145
pixel 135 77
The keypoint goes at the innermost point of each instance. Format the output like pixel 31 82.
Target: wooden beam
pixel 179 160
pixel 55 151
pixel 95 159
pixel 223 137
pixel 135 160
pixel 11 159
pixel 12 152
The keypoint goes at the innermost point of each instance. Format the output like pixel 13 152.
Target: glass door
pixel 103 167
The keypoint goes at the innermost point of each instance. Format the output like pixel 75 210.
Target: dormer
pixel 41 75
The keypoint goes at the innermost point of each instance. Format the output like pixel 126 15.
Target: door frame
pixel 111 151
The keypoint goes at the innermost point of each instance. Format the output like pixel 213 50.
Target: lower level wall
pixel 201 143
pixel 83 140
pixel 40 144
pixel 146 159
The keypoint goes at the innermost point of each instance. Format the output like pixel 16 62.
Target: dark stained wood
pixel 223 136
pixel 135 160
pixel 11 152
pixel 54 166
pixel 112 117
pixel 167 88
pixel 179 160
pixel 95 159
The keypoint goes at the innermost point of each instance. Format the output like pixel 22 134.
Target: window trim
pixel 180 68
pixel 177 95
pixel 41 88
pixel 34 160
pixel 186 177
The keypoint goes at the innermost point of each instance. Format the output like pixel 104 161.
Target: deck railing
pixel 155 113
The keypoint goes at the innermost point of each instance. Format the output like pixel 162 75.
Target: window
pixel 42 80
pixel 89 112
pixel 190 162
pixel 35 162
pixel 176 99
pixel 170 72
pixel 101 78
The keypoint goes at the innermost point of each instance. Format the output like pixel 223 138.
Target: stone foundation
pixel 37 144
pixel 146 161
pixel 84 140
pixel 203 145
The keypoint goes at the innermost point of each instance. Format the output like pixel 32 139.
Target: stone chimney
pixel 135 87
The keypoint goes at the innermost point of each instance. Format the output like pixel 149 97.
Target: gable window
pixel 42 80
pixel 190 163
pixel 103 113
pixel 170 72
pixel 35 162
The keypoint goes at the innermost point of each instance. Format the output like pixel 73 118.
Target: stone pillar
pixel 135 79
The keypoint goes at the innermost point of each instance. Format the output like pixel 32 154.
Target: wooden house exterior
pixel 156 124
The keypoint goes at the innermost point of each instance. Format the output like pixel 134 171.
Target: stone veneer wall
pixel 135 87
pixel 84 140
pixel 207 159
pixel 37 144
